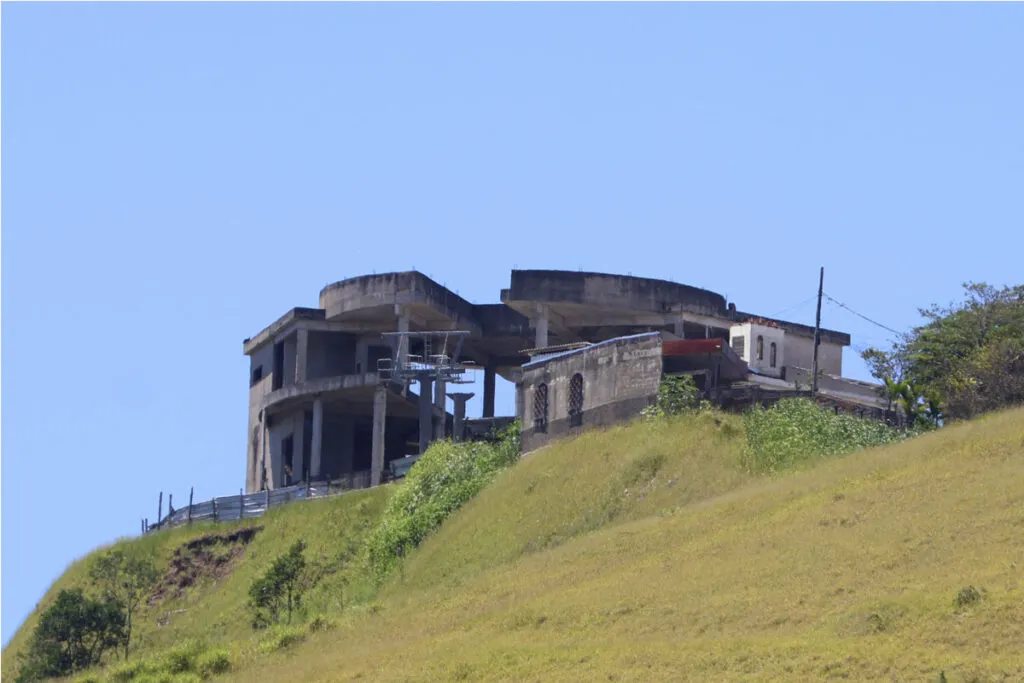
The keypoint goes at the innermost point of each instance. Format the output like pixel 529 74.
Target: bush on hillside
pixel 279 589
pixel 72 634
pixel 677 394
pixel 440 482
pixel 794 430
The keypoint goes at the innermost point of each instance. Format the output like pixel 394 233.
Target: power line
pixel 795 306
pixel 861 315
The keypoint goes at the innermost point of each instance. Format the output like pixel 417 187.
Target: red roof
pixel 690 347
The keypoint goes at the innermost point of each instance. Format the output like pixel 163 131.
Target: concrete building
pixel 317 407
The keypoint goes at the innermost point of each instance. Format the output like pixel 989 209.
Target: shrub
pixel 677 394
pixel 794 430
pixel 441 482
pixel 182 658
pixel 966 597
pixel 279 588
pixel 129 671
pixel 281 638
pixel 320 623
pixel 72 634
pixel 213 663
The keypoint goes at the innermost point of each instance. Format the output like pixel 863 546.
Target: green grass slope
pixel 205 590
pixel 647 552
pixel 845 571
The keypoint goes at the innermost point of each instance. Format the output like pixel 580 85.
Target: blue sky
pixel 177 176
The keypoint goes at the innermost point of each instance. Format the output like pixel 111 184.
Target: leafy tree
pixel 967 358
pixel 676 395
pixel 280 587
pixel 72 634
pixel 124 580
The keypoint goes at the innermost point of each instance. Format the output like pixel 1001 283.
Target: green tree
pixel 676 395
pixel 280 587
pixel 72 634
pixel 124 580
pixel 967 358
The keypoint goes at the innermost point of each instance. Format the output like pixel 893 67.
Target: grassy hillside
pixel 648 552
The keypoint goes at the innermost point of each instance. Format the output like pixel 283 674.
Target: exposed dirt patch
pixel 207 557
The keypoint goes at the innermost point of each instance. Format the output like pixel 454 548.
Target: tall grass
pixel 794 431
pixel 441 482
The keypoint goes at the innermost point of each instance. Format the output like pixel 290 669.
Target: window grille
pixel 576 400
pixel 540 408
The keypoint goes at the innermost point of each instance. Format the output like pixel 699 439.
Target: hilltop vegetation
pixel 703 546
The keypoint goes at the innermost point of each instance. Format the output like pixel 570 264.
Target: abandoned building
pixel 335 391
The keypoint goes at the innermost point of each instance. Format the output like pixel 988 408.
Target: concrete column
pixel 403 326
pixel 540 325
pixel 489 391
pixel 380 406
pixel 679 329
pixel 301 353
pixel 707 331
pixel 440 393
pixel 318 438
pixel 264 451
pixel 363 356
pixel 459 399
pixel 519 404
pixel 426 414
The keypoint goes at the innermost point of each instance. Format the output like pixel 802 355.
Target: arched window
pixel 772 354
pixel 760 347
pixel 576 400
pixel 540 408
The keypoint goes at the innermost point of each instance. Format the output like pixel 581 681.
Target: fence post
pixel 215 509
pixel 241 503
pixel 307 487
pixel 160 507
pixel 170 504
pixel 191 490
pixel 266 501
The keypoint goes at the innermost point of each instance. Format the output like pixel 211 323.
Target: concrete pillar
pixel 426 413
pixel 540 325
pixel 440 393
pixel 380 407
pixel 363 356
pixel 318 438
pixel 301 353
pixel 489 391
pixel 680 330
pixel 459 399
pixel 403 326
pixel 519 404
pixel 264 452
pixel 707 331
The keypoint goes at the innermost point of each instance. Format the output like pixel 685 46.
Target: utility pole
pixel 817 334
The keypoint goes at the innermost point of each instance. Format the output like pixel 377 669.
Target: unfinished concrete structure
pixel 318 408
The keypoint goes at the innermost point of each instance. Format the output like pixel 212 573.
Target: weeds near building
pixel 677 394
pixel 441 482
pixel 279 589
pixel 795 430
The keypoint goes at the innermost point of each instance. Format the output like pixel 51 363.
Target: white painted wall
pixel 750 333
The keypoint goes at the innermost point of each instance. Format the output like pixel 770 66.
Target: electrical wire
pixel 795 306
pixel 861 315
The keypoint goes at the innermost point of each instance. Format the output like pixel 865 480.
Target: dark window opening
pixel 287 455
pixel 760 347
pixel 257 375
pixel 772 354
pixel 540 408
pixel 277 381
pixel 738 345
pixel 576 400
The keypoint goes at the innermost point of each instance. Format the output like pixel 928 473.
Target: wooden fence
pixel 246 505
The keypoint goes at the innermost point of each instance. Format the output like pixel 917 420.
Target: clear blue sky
pixel 177 176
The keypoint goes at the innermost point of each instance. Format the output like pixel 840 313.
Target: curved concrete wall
pixel 606 290
pixel 373 294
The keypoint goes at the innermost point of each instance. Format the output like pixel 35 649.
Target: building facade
pixel 318 408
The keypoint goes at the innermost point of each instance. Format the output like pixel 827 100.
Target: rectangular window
pixel 257 375
pixel 738 344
